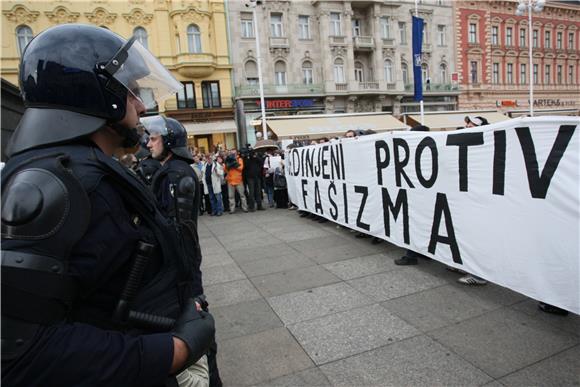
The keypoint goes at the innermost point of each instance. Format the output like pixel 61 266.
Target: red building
pixel 493 55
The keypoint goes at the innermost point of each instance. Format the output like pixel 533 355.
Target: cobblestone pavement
pixel 299 303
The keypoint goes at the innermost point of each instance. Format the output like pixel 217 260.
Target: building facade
pixel 493 55
pixel 190 38
pixel 339 56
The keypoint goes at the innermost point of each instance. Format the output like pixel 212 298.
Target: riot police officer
pixel 178 193
pixel 95 290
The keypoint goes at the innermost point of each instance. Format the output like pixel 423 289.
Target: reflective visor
pixel 154 126
pixel 144 75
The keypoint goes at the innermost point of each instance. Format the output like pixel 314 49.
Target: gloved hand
pixel 197 330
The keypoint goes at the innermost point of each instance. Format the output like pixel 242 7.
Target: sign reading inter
pixel 287 103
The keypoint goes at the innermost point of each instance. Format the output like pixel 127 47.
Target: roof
pixel 454 120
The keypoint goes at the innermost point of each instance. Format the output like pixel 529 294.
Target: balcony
pixel 391 86
pixel 194 65
pixel 427 47
pixel 363 42
pixel 340 86
pixel 279 42
pixel 269 90
pixel 368 85
pixel 436 87
pixel 337 40
pixel 388 42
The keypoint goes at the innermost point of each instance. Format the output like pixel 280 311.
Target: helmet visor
pixel 154 126
pixel 145 76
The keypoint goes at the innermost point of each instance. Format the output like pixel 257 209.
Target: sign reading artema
pixel 500 201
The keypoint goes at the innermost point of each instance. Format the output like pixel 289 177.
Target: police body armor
pixel 45 212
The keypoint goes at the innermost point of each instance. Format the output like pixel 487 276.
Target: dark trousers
pixel 254 192
pixel 225 199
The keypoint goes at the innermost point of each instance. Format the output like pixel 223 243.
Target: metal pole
pixel 261 85
pixel 531 59
pixel 421 101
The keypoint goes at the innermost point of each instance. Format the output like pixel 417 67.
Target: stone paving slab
pixel 570 323
pixel 231 293
pixel 361 266
pixel 260 357
pixel 254 253
pixel 275 264
pixel 310 377
pixel 504 341
pixel 351 332
pixel 220 274
pixel 318 302
pixel 396 283
pixel 212 260
pixel 292 280
pixel 418 361
pixel 244 318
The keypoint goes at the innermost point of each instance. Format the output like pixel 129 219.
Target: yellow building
pixel 189 37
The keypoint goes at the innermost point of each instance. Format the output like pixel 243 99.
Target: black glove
pixel 197 330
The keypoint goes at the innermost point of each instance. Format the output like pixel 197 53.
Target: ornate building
pixel 493 55
pixel 339 56
pixel 190 38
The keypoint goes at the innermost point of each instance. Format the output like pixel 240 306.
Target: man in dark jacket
pixel 253 175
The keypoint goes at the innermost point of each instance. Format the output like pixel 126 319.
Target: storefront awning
pixel 312 127
pixel 201 128
pixel 454 120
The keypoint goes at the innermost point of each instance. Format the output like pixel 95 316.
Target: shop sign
pixel 550 102
pixel 507 103
pixel 287 103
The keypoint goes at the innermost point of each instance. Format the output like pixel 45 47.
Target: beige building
pixel 190 38
pixel 339 56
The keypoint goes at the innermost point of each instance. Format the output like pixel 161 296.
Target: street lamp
pixel 252 4
pixel 530 6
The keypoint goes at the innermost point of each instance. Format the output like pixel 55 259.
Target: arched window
pixel 442 73
pixel 193 39
pixel 280 73
pixel 24 36
pixel 359 73
pixel 140 34
pixel 405 73
pixel 388 71
pixel 339 70
pixel 251 72
pixel 307 73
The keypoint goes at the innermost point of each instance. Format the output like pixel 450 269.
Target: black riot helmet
pixel 75 79
pixel 173 134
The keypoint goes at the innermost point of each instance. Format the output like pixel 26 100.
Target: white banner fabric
pixel 500 201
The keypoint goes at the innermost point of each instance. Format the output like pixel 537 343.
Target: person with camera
pixel 93 285
pixel 234 167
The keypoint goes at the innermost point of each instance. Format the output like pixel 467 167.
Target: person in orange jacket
pixel 234 167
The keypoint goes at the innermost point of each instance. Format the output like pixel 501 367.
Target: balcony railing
pixel 388 42
pixel 434 87
pixel 341 86
pixel 368 85
pixel 391 86
pixel 337 40
pixel 426 47
pixel 254 90
pixel 537 87
pixel 363 42
pixel 276 42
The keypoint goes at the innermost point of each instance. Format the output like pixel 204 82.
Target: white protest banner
pixel 499 201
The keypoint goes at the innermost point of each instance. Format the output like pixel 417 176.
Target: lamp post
pixel 530 6
pixel 252 4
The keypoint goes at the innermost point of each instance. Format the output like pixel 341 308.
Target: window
pixel 535 39
pixel 388 71
pixel 356 27
pixel 522 37
pixel 547 74
pixel 441 35
pixel 186 96
pixel 442 73
pixel 425 73
pixel 385 28
pixel 140 35
pixel 359 74
pixel 559 74
pixel 510 73
pixel 474 72
pixel 509 36
pixel 535 74
pixel 251 72
pixel 472 33
pixel 24 36
pixel 210 91
pixel 307 73
pixel 495 74
pixel 339 71
pixel 276 25
pixel 403 32
pixel 247 25
pixel 494 35
pixel 193 39
pixel 571 74
pixel 405 73
pixel 335 24
pixel 523 75
pixel 425 35
pixel 570 40
pixel 280 73
pixel 304 27
pixel 559 40
pixel 547 39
